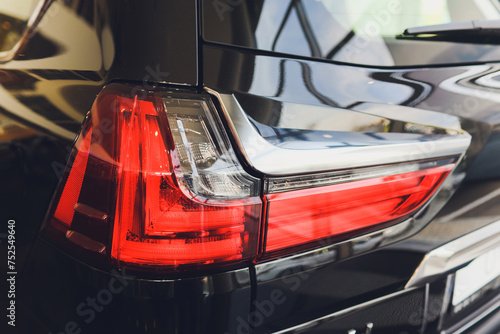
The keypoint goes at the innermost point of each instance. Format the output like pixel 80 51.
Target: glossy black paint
pixel 44 103
pixel 282 79
pixel 49 87
pixel 304 29
pixel 334 287
pixel 121 302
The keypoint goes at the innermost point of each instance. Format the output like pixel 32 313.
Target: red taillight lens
pixel 302 216
pixel 158 173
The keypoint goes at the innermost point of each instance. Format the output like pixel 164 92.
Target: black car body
pixel 298 101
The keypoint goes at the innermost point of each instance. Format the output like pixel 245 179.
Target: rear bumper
pixel 424 305
pixel 329 297
pixel 488 325
pixel 484 320
pixel 59 292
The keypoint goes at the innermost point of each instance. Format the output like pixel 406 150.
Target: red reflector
pixel 302 216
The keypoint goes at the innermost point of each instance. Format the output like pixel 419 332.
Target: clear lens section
pixel 208 165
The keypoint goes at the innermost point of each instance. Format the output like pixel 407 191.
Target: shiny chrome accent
pixel 90 212
pixel 456 254
pixel 33 21
pixel 333 316
pixel 305 156
pixel 474 318
pixel 448 292
pixel 85 241
pixel 317 258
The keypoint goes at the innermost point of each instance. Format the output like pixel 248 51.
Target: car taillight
pixel 154 183
pixel 302 216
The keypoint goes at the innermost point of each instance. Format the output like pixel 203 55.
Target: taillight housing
pixel 153 183
pixel 345 204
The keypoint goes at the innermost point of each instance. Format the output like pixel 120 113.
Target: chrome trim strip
pixel 297 158
pixel 474 318
pixel 456 253
pixel 448 293
pixel 33 21
pixel 322 256
pixel 332 316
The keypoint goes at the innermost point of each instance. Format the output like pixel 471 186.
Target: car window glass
pixel 353 31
